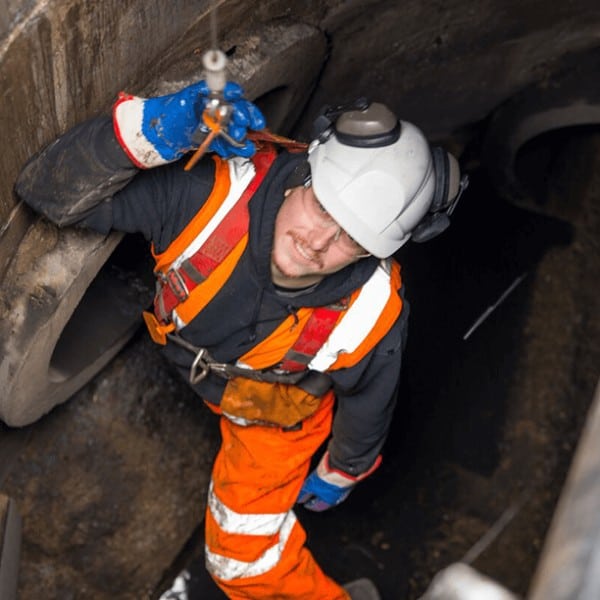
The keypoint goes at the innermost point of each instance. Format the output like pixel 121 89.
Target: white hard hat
pixel 379 178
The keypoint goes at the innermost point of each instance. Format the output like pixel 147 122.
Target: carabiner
pixel 201 363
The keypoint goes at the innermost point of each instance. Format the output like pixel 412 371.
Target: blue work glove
pixel 156 131
pixel 326 487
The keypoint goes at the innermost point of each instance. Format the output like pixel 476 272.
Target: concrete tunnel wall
pixel 64 60
pixel 61 62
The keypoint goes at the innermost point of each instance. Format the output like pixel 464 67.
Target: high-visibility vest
pixel 196 265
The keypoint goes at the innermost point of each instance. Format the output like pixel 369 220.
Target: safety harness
pixel 198 263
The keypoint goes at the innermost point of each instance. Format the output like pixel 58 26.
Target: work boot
pixel 362 589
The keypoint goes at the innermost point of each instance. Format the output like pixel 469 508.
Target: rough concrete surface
pixel 49 273
pixel 111 484
pixel 10 547
pixel 533 425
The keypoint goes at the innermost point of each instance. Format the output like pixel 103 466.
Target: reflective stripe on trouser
pixel 254 544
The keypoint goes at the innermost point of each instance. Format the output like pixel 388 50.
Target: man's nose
pixel 320 238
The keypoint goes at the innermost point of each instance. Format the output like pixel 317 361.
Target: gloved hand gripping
pixel 157 131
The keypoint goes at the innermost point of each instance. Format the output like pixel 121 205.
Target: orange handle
pixel 215 128
pixel 201 150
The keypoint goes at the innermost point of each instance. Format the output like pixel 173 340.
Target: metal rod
pixel 492 533
pixel 213 28
pixel 490 309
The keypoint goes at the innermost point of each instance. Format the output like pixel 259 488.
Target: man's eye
pixel 322 208
pixel 353 241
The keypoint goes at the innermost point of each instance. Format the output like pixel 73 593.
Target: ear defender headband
pixel 360 124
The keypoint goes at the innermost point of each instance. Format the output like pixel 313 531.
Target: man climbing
pixel 276 297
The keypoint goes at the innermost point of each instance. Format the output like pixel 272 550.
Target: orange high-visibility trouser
pixel 254 544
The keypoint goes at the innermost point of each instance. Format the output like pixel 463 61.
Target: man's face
pixel 308 244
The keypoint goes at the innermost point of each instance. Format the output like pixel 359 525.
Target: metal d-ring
pixel 200 363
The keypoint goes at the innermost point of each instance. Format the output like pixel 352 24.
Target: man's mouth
pixel 301 246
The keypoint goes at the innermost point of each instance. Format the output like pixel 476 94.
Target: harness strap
pixel 266 136
pixel 175 285
pixel 312 382
pixel 314 334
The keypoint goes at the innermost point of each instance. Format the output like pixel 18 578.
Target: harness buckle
pixel 341 305
pixel 221 369
pixel 175 281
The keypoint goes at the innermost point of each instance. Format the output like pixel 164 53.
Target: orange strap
pixel 175 285
pixel 201 218
pixel 384 323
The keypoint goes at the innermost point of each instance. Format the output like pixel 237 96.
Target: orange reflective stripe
pixel 272 349
pixel 179 278
pixel 203 293
pixel 201 218
pixel 384 323
pixel 296 575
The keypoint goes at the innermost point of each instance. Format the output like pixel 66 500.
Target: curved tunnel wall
pixel 74 58
pixel 443 66
pixel 63 60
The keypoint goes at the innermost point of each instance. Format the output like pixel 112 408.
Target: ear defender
pixel 360 124
pixel 449 186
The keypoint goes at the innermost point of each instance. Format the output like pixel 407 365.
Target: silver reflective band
pixel 358 320
pixel 230 521
pixel 248 524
